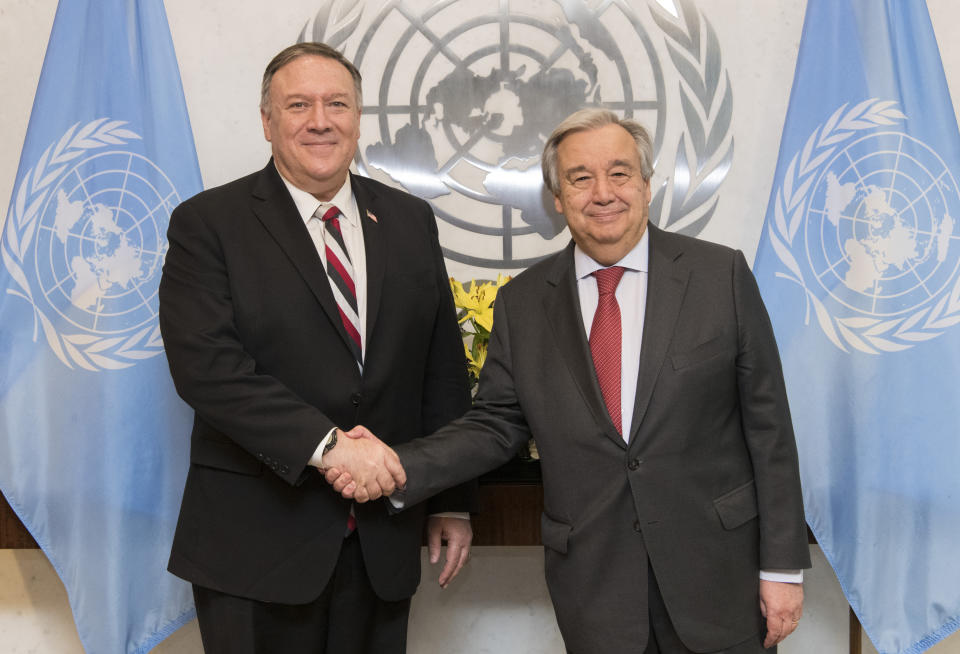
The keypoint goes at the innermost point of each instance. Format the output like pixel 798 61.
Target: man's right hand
pixel 361 467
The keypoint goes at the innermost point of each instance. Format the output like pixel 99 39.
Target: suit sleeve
pixel 487 436
pixel 768 430
pixel 210 367
pixel 446 390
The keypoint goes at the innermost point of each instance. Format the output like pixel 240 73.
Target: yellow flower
pixel 475 314
pixel 477 303
pixel 480 356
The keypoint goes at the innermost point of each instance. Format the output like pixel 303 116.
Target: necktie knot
pixel 608 279
pixel 330 213
pixel 331 216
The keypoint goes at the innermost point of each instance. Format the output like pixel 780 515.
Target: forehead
pixel 312 74
pixel 601 147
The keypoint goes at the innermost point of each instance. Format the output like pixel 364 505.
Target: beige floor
pixel 499 606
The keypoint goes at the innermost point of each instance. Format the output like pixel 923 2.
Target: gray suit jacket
pixel 708 486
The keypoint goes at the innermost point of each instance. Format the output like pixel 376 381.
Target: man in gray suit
pixel 644 365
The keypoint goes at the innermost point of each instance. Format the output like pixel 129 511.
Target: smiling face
pixel 602 193
pixel 312 121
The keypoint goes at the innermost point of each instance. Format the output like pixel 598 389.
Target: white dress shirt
pixel 307 207
pixel 631 295
pixel 352 232
pixel 632 298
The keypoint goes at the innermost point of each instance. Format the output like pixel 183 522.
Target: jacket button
pixel 634 464
pixel 636 526
pixel 355 399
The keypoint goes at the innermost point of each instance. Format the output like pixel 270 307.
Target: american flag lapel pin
pixel 371 216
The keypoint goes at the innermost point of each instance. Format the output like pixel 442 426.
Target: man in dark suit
pixel 284 321
pixel 644 365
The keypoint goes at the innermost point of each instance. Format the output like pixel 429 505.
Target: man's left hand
pixel 782 605
pixel 458 533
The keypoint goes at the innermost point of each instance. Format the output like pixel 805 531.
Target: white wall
pixel 499 604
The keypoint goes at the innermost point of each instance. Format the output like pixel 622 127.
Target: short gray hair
pixel 308 49
pixel 589 119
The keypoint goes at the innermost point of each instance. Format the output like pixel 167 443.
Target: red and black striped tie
pixel 340 272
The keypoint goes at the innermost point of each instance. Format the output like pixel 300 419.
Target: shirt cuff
pixel 398 501
pixel 784 576
pixel 317 459
pixel 462 515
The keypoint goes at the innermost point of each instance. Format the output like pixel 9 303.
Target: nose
pixel 603 190
pixel 317 118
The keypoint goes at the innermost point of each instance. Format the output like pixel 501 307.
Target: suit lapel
pixel 666 285
pixel 562 306
pixel 275 209
pixel 373 243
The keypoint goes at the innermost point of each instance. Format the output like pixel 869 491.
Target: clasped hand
pixel 361 467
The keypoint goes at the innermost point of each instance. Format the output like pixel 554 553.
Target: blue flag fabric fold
pixel 93 448
pixel 859 264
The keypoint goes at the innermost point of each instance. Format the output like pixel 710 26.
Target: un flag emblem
pixel 86 246
pixel 865 224
pixel 879 230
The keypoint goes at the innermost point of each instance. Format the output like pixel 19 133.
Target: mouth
pixel 606 215
pixel 318 144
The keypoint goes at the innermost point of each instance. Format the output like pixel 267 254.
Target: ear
pixel 265 120
pixel 557 204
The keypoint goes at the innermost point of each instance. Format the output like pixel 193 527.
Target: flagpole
pixel 856 644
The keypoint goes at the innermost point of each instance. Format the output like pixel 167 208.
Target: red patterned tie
pixel 340 272
pixel 605 341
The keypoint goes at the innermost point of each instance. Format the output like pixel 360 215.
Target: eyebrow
pixel 613 164
pixel 309 96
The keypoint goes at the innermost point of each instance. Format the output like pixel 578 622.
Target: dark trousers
pixel 347 618
pixel 664 639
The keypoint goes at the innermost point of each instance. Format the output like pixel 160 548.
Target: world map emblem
pixel 866 223
pixel 460 96
pixel 85 245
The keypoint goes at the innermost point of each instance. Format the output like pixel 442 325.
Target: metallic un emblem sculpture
pixel 459 98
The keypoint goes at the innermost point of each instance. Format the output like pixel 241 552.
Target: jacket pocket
pixel 554 534
pixel 224 455
pixel 738 506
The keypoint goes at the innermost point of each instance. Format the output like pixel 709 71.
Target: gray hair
pixel 308 49
pixel 589 119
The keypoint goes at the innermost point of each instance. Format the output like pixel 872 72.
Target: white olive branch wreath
pixel 862 333
pixel 86 351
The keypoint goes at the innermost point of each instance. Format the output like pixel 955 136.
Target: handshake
pixel 361 467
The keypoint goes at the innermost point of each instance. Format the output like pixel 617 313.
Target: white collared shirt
pixel 632 297
pixel 307 206
pixel 352 231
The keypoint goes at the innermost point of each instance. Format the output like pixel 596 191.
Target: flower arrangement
pixel 475 314
pixel 474 303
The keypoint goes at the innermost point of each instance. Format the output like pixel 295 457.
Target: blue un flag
pixel 859 264
pixel 91 454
